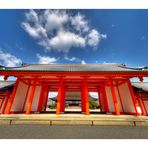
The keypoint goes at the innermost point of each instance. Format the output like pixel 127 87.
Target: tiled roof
pixel 140 86
pixel 6 85
pixel 74 68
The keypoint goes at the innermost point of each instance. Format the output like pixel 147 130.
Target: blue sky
pixel 74 36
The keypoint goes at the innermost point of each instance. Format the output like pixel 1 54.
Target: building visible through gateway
pixel 116 94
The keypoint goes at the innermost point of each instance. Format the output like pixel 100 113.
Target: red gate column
pixel 133 96
pixel 31 98
pixel 12 98
pixel 83 108
pixel 59 97
pixel 86 96
pixel 114 98
pixel 105 98
pixel 62 108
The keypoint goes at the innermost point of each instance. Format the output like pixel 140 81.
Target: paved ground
pixel 72 132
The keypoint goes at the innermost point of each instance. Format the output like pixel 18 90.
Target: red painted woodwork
pixel 83 107
pixel 27 93
pixel 59 101
pixel 86 96
pixel 31 98
pixel 114 98
pixel 12 98
pixel 120 98
pixel 133 97
pixel 5 105
pixel 83 82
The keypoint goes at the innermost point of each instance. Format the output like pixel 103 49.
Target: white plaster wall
pixel 146 105
pixel 142 106
pixel 36 98
pixel 109 99
pixel 19 97
pixel 126 98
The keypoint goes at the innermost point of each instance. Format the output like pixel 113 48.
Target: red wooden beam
pixel 80 74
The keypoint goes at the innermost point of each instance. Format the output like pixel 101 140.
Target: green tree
pixel 93 104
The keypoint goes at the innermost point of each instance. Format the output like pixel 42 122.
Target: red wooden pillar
pixel 62 109
pixel 105 99
pixel 62 99
pixel 31 98
pixel 133 96
pixel 59 97
pixel 86 96
pixel 12 98
pixel 83 108
pixel 114 98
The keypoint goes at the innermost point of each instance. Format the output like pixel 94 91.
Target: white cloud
pixel 79 22
pixel 94 95
pixel 83 62
pixel 104 36
pixel 61 30
pixel 109 63
pixel 46 60
pixel 94 37
pixel 9 60
pixel 54 19
pixel 65 40
pixel 70 59
pixel 52 94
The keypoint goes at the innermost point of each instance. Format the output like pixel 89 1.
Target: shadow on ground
pixel 72 132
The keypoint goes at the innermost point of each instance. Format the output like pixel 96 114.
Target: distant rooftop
pixel 6 85
pixel 74 68
pixel 140 87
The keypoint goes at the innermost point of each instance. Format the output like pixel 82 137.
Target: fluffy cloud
pixel 83 62
pixel 94 37
pixel 60 30
pixel 79 22
pixel 94 95
pixel 9 60
pixel 63 41
pixel 46 60
pixel 71 59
